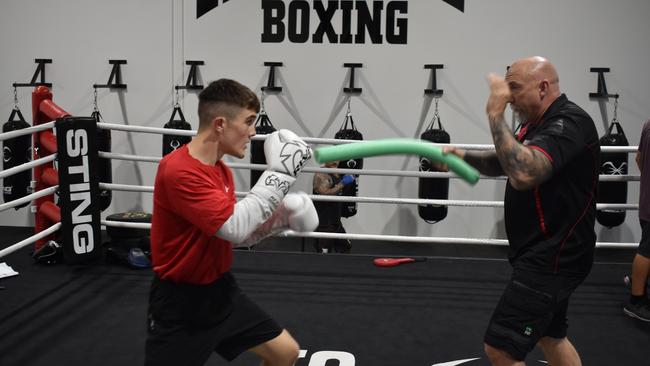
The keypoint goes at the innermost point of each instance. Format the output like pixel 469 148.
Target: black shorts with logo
pixel 533 305
pixel 186 323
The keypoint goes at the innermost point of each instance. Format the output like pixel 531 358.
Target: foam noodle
pixel 368 149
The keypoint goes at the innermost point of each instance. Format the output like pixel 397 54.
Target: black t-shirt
pixel 329 213
pixel 551 227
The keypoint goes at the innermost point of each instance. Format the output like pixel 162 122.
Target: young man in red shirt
pixel 195 305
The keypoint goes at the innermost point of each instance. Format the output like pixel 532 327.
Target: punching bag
pixel 612 163
pixel 349 209
pixel 104 165
pixel 263 126
pixel 433 188
pixel 16 151
pixel 173 142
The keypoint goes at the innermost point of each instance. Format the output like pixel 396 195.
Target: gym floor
pixel 422 313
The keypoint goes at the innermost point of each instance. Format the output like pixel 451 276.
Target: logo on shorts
pixel 528 330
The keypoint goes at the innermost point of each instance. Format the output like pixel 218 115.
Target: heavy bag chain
pixel 436 116
pixel 263 126
pixel 15 99
pixel 348 116
pixel 104 166
pixel 173 142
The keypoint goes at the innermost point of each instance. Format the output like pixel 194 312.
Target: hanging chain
pixel 95 109
pixel 15 98
pixel 177 99
pixel 615 120
pixel 435 111
pixel 349 112
pixel 262 107
pixel 436 116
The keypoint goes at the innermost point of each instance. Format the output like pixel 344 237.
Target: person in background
pixel 638 306
pixel 329 213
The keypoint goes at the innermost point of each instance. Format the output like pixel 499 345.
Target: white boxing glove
pixel 297 212
pixel 285 152
pixel 302 213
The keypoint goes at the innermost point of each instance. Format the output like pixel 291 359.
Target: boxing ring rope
pixel 318 140
pixel 51 211
pixel 45 177
pixel 27 131
pixel 38 236
pixel 409 201
pixel 391 173
pixel 392 238
pixel 28 198
pixel 376 237
pixel 289 233
pixel 26 166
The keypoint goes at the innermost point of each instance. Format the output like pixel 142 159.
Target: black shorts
pixel 186 323
pixel 533 305
pixel 644 244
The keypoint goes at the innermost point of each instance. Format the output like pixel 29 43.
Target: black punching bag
pixel 173 142
pixel 612 163
pixel 433 188
pixel 104 165
pixel 16 151
pixel 349 209
pixel 263 126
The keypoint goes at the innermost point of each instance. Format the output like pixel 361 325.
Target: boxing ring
pixel 339 307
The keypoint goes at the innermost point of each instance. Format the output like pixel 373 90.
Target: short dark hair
pixel 220 96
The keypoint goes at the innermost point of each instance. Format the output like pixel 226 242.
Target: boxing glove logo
pixel 294 155
pixel 278 184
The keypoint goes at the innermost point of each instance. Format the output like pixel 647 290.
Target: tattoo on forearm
pixel 485 161
pixel 518 161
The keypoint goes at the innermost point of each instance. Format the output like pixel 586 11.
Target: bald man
pixel 551 162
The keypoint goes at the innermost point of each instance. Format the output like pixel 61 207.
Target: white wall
pixel 155 37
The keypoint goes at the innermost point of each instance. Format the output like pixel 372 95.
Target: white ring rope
pixel 26 131
pixel 375 172
pixel 30 240
pixel 289 233
pixel 155 130
pixel 28 165
pixel 316 140
pixel 112 155
pixel 407 201
pixel 374 237
pixel 28 198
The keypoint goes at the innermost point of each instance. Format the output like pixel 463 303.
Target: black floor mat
pixel 336 306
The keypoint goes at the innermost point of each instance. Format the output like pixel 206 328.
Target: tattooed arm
pixel 525 167
pixel 322 183
pixel 485 162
